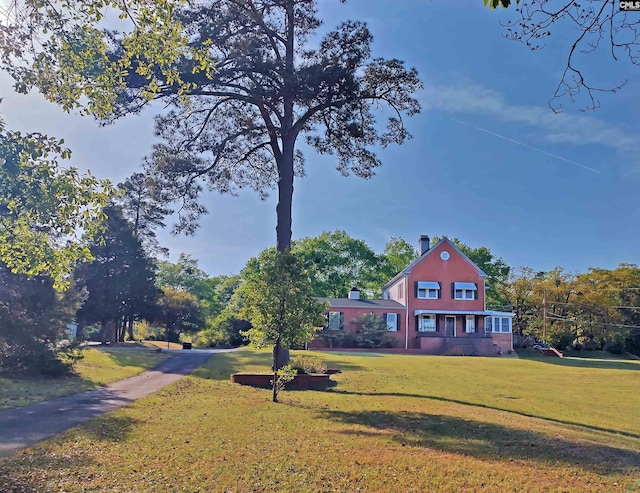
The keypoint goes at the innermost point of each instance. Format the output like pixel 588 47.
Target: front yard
pixel 392 423
pixel 99 367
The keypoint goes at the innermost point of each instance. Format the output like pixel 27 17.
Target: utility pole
pixel 544 316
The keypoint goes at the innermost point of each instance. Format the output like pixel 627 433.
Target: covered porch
pixel 470 332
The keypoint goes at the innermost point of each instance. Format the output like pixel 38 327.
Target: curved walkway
pixel 24 426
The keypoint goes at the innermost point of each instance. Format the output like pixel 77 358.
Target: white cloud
pixel 581 129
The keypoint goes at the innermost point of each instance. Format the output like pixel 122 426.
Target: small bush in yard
pixel 308 364
pixel 284 375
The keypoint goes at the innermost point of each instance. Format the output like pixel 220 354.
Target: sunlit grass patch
pixel 392 423
pixel 98 367
pixel 162 345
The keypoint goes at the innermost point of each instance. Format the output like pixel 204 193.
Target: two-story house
pixel 436 305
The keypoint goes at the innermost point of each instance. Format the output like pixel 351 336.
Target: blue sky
pixel 564 193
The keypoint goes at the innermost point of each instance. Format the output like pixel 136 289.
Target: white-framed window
pixel 428 290
pixel 464 290
pixel 426 323
pixel 392 322
pixel 428 294
pixel 336 320
pixel 465 294
pixel 470 324
pixel 497 324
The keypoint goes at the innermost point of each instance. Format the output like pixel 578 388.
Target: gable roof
pixel 407 269
pixel 360 303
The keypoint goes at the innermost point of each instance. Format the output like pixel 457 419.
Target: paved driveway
pixel 24 426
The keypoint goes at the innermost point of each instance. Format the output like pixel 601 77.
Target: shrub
pixel 615 345
pixel 308 364
pixel 147 332
pixel 373 332
pixel 561 339
pixel 38 359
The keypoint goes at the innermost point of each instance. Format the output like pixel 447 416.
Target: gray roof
pixel 350 303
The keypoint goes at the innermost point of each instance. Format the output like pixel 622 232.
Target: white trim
pixel 487 313
pixel 428 293
pixel 470 328
pixel 500 320
pixel 406 315
pixel 393 327
pixel 430 316
pixel 463 294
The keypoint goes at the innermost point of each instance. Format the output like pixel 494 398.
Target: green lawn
pixel 99 367
pixel 392 423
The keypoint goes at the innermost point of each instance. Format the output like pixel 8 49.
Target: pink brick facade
pixel 440 304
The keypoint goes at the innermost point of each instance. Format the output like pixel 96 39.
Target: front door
pixel 450 324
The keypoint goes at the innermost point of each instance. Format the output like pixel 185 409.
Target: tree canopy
pixel 48 214
pixel 45 208
pixel 600 26
pixel 119 279
pixel 86 54
pixel 144 206
pixel 278 303
pixel 232 128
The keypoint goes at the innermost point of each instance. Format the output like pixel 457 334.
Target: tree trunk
pixel 288 139
pixel 285 166
pixel 130 328
pixel 276 354
pixel 285 196
pixel 103 333
pixel 121 328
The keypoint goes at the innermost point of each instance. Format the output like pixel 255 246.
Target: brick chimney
pixel 424 244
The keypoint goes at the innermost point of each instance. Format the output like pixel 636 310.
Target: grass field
pixel 391 424
pixel 99 367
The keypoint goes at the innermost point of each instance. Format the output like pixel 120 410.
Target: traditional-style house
pixel 436 305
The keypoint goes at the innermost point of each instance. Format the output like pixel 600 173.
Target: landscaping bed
pixel 302 381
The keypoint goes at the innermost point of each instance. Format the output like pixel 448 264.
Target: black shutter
pixel 453 290
pixel 341 320
pixel 415 289
pixel 476 292
pixel 384 315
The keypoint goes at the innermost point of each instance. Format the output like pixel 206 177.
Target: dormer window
pixel 427 290
pixel 465 291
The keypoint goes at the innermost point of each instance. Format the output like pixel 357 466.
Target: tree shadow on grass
pixel 494 408
pixel 578 362
pixel 128 356
pixel 222 365
pixel 487 440
pixel 16 472
pixel 107 428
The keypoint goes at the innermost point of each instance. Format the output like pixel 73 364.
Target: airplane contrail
pixel 525 145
